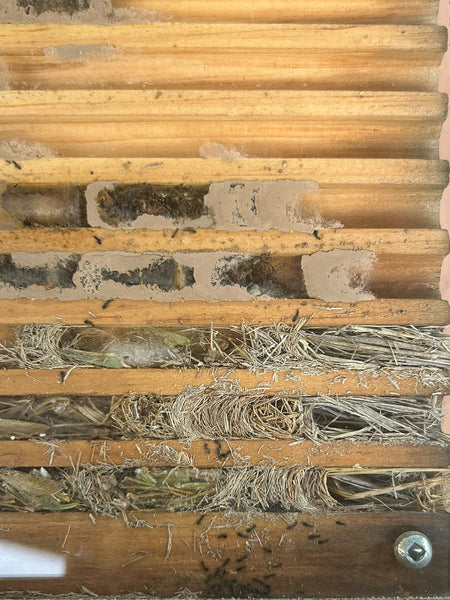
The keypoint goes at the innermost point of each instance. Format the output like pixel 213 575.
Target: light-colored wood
pixel 405 175
pixel 421 242
pixel 222 556
pixel 186 139
pixel 214 55
pixel 203 314
pixel 241 68
pixel 221 453
pixel 318 124
pixel 411 276
pixel 117 106
pixel 356 192
pixel 143 38
pixel 284 11
pixel 169 382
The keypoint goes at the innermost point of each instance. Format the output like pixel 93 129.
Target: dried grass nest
pixel 275 348
pixel 115 491
pixel 224 410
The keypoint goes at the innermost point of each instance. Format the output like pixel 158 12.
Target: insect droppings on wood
pixel 323 541
pixel 174 234
pixel 204 567
pixel 98 240
pixel 296 316
pixel 306 524
pixel 62 376
pixel 268 550
pixel 266 587
pixel 313 536
pixel 222 536
pixel 243 535
pixel 251 528
pixel 107 303
pixel 316 234
pixel 294 524
pixel 340 523
pixel 88 322
pixel 220 454
pixel 200 519
pixel 206 448
pixel 242 558
pixel 15 163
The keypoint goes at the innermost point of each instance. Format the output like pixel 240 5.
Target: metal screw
pixel 413 550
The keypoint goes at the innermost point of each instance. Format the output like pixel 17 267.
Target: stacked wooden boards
pixel 342 98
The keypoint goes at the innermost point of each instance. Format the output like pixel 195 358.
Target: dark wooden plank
pixel 231 557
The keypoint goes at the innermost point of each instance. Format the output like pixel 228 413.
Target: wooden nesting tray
pixel 103 117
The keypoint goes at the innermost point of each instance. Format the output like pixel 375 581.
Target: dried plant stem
pixel 273 348
pixel 113 491
pixel 225 410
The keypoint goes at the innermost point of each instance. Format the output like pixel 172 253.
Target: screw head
pixel 413 550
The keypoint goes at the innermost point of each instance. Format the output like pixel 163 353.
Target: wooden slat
pixel 219 556
pixel 95 106
pixel 185 139
pixel 319 124
pixel 411 276
pixel 381 241
pixel 203 314
pixel 27 39
pixel 356 192
pixel 224 453
pixel 229 68
pixel 205 55
pixel 169 382
pixel 284 11
pixel 346 174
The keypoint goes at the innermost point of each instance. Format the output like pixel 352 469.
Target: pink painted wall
pixel 444 149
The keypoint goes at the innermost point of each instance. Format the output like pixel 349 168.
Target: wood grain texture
pixel 281 124
pixel 359 193
pixel 27 39
pixel 345 174
pixel 209 55
pixel 198 313
pixel 260 138
pixel 203 314
pixel 228 557
pixel 381 241
pixel 169 382
pixel 284 11
pixel 221 453
pixel 96 106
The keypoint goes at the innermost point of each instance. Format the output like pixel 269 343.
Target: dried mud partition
pixel 338 275
pixel 100 12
